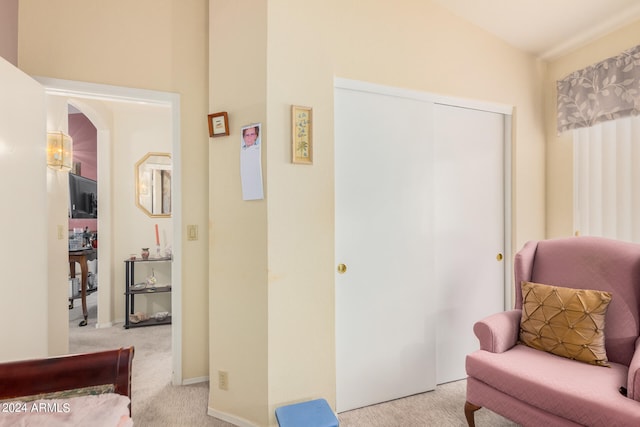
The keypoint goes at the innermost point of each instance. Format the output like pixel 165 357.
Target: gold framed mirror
pixel 153 184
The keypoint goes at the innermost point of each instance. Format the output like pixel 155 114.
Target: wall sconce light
pixel 59 151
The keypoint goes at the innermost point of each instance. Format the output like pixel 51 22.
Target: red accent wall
pixel 85 142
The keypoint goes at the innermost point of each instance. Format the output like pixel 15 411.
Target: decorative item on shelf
pixel 151 280
pixel 145 253
pixel 59 151
pixel 218 124
pixel 157 242
pixel 161 315
pixel 138 317
pixel 139 286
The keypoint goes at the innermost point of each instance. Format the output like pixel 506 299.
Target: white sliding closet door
pixel 469 222
pixel 385 337
pixel 420 226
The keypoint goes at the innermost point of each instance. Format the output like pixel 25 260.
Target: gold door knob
pixel 342 268
pixel 499 257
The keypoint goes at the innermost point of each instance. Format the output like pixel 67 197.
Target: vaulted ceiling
pixel 546 28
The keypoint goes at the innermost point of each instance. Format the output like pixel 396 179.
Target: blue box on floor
pixel 314 413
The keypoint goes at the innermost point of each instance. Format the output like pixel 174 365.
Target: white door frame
pixel 507 110
pixel 76 89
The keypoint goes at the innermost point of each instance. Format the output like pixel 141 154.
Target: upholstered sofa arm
pixel 499 332
pixel 633 377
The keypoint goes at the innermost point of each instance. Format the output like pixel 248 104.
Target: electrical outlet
pixel 223 380
pixel 60 232
pixel 192 232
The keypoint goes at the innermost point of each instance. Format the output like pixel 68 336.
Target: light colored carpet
pixel 156 402
pixel 443 407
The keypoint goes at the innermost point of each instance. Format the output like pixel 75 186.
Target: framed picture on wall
pixel 302 134
pixel 218 124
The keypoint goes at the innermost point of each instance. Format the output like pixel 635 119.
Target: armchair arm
pixel 499 332
pixel 633 377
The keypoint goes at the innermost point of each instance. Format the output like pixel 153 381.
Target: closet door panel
pixel 385 333
pixel 469 230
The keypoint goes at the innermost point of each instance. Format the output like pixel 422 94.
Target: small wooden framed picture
pixel 218 124
pixel 302 134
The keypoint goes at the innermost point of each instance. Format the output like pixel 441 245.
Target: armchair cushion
pixel 564 321
pixel 583 393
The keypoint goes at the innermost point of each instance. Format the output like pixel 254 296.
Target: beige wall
pixel 559 158
pixel 238 316
pixel 137 130
pixel 149 44
pixel 287 283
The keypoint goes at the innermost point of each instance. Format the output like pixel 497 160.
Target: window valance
pixel 604 91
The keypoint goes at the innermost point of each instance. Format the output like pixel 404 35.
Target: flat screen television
pixel 83 197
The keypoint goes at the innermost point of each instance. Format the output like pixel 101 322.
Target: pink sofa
pixel 536 388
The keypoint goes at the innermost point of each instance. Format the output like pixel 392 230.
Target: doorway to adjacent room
pixel 93 100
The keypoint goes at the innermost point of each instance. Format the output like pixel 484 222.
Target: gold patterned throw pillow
pixel 564 321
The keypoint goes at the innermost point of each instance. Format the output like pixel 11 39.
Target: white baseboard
pixel 196 380
pixel 236 421
pixel 104 325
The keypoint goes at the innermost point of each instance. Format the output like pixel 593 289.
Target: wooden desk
pixel 81 257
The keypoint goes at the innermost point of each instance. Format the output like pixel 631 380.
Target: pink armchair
pixel 534 387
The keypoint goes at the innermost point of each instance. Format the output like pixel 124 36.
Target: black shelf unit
pixel 130 294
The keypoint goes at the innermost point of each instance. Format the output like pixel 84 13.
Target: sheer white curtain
pixel 607 179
